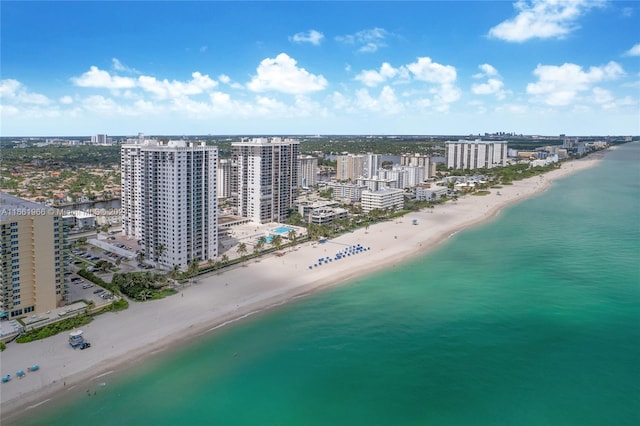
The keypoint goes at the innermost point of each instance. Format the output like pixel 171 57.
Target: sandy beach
pixel 121 339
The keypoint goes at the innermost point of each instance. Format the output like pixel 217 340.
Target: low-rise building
pixel 388 198
pixel 325 215
pixel 430 192
pixel 346 191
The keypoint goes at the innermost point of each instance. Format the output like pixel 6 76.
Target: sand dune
pixel 121 339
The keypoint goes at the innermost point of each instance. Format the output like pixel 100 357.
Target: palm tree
pixel 160 250
pixel 224 259
pixel 242 249
pixel 144 295
pixel 193 268
pixel 259 246
pixel 261 242
pixel 175 271
pixel 292 236
pixel 276 241
pixel 140 257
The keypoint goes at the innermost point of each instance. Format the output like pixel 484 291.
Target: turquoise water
pixel 282 230
pixel 533 319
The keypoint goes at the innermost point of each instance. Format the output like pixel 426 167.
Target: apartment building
pixel 31 257
pixel 266 181
pixel 350 167
pixel 419 160
pixel 169 200
pixel 476 154
pixel 372 163
pixel 387 198
pixel 307 171
pixel 225 174
pixel 346 191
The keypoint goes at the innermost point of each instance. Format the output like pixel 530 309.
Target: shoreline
pixel 222 298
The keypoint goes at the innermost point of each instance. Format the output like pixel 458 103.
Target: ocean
pixel 531 319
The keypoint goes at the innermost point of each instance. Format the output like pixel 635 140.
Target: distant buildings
pixel 475 154
pixel 31 257
pixel 99 140
pixel 266 178
pixel 169 200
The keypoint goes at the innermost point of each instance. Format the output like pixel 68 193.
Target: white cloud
pixel 368 41
pixel 172 89
pixel 203 49
pixel 486 71
pixel 223 78
pixel 440 79
pixel 312 36
pixel 444 96
pixel 634 51
pixel 559 85
pixel 372 78
pixel 119 66
pixel 490 87
pixel 427 70
pixel 543 19
pixel 281 74
pixel 339 101
pixel 13 92
pixel 66 100
pixel 162 89
pixel 493 85
pixel 387 102
pixel 98 78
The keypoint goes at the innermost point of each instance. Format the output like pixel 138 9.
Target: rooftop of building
pixel 384 191
pixel 475 141
pixel 11 206
pixel 265 141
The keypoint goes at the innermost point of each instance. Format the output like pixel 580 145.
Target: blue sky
pixel 534 67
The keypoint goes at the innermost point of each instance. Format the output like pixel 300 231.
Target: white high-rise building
pixel 307 171
pixel 417 160
pixel 99 140
pixel 372 163
pixel 169 200
pixel 267 177
pixel 225 168
pixel 476 154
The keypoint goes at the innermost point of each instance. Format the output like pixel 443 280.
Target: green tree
pixel 193 268
pixel 242 249
pixel 276 240
pixel 293 237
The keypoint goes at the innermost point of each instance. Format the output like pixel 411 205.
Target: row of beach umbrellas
pixel 20 373
pixel 342 254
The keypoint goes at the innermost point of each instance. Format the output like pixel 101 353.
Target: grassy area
pixel 481 193
pixel 55 328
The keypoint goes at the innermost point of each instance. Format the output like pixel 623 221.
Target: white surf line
pixel 104 374
pixel 39 403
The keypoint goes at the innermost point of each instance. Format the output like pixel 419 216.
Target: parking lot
pixel 78 288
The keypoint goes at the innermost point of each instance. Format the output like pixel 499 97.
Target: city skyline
pixel 530 67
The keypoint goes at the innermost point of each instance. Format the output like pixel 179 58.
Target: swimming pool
pixel 282 230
